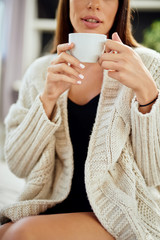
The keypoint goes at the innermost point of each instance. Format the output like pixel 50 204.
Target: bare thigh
pixel 4 228
pixel 70 226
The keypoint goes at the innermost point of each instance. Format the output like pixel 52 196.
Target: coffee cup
pixel 88 46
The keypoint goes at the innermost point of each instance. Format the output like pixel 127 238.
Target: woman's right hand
pixel 63 72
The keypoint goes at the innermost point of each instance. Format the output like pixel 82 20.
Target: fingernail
pixel 79 82
pixel 69 44
pixel 82 66
pixel 113 52
pixel 81 76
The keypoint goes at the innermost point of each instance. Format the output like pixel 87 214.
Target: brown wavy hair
pixel 122 24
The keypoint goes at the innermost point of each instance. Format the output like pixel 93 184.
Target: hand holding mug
pixel 64 71
pixel 127 67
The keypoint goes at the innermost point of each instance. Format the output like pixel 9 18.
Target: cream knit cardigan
pixel 122 169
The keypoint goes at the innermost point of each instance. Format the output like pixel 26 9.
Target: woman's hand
pixel 127 67
pixel 64 71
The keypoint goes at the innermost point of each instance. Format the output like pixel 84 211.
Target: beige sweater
pixel 122 169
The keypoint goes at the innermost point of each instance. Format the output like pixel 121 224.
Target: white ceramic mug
pixel 88 46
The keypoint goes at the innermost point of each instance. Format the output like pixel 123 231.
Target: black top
pixel 81 119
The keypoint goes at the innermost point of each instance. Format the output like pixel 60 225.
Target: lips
pixel 91 21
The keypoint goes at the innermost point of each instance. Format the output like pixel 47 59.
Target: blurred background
pixel 27 31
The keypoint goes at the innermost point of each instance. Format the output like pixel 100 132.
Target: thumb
pixel 116 37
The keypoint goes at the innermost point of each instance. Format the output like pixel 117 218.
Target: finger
pixel 65 69
pixel 66 58
pixel 114 74
pixel 111 45
pixel 110 57
pixel 110 65
pixel 64 47
pixel 64 78
pixel 115 37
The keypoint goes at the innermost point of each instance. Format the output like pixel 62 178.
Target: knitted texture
pixel 122 169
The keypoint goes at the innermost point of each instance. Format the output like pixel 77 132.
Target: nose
pixel 94 5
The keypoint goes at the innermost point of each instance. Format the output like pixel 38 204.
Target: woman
pixel 51 124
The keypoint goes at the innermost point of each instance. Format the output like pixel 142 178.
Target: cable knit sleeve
pixel 28 130
pixel 146 130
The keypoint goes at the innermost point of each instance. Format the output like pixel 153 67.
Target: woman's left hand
pixel 127 67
